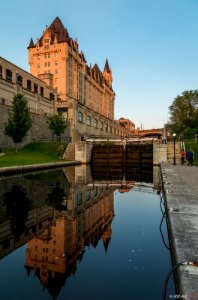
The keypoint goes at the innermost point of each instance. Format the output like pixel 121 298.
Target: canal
pixel 67 235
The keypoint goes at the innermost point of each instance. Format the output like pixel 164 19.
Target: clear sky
pixel 151 45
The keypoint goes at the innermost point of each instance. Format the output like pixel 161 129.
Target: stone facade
pixel 41 102
pixel 15 80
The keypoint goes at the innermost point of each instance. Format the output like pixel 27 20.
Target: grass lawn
pixel 194 146
pixel 35 153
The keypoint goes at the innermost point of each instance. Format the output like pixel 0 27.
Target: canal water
pixel 67 235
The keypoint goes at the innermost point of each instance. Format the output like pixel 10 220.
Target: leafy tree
pixel 56 197
pixel 19 121
pixel 18 205
pixel 57 124
pixel 184 113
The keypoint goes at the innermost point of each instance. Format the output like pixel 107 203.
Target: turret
pixel 107 74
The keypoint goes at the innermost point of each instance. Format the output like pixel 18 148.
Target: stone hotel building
pixel 85 93
pixel 60 79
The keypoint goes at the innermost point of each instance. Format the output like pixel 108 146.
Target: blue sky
pixel 151 45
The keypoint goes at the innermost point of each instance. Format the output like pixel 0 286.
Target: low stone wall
pixel 39 130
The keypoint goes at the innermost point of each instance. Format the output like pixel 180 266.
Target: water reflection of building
pixel 86 219
pixel 25 210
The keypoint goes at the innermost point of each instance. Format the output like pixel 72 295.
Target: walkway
pixel 181 193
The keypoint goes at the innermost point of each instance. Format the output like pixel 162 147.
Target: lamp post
pixel 174 158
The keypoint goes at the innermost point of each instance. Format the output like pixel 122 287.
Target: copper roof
pixel 107 67
pixel 31 44
pixel 57 30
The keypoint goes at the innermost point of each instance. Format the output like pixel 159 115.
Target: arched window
pixel 8 75
pixel 79 199
pixel 35 88
pixel 106 128
pixel 51 96
pixel 88 120
pixel 80 117
pixel 19 79
pixel 88 195
pixel 42 91
pixel 95 123
pixel 29 85
pixel 101 125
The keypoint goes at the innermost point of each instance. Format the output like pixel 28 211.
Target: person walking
pixel 183 156
pixel 190 155
pixel 164 139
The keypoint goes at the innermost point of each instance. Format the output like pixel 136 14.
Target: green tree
pixel 184 113
pixel 56 197
pixel 19 121
pixel 57 124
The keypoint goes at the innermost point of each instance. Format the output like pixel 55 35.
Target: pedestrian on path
pixel 190 155
pixel 164 139
pixel 183 156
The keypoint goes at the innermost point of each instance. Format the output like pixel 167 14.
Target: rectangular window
pixel 56 71
pixel 56 63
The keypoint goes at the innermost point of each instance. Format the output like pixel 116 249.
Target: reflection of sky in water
pixel 134 266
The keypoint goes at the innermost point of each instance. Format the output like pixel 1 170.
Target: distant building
pixel 128 125
pixel 85 94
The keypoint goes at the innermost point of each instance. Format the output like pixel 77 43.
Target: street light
pixel 174 158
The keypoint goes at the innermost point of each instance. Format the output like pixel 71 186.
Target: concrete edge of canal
pixel 182 217
pixel 35 167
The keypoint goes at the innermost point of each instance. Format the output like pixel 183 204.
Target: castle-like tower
pixel 85 93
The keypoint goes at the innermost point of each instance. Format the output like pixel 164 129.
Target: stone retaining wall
pixel 39 130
